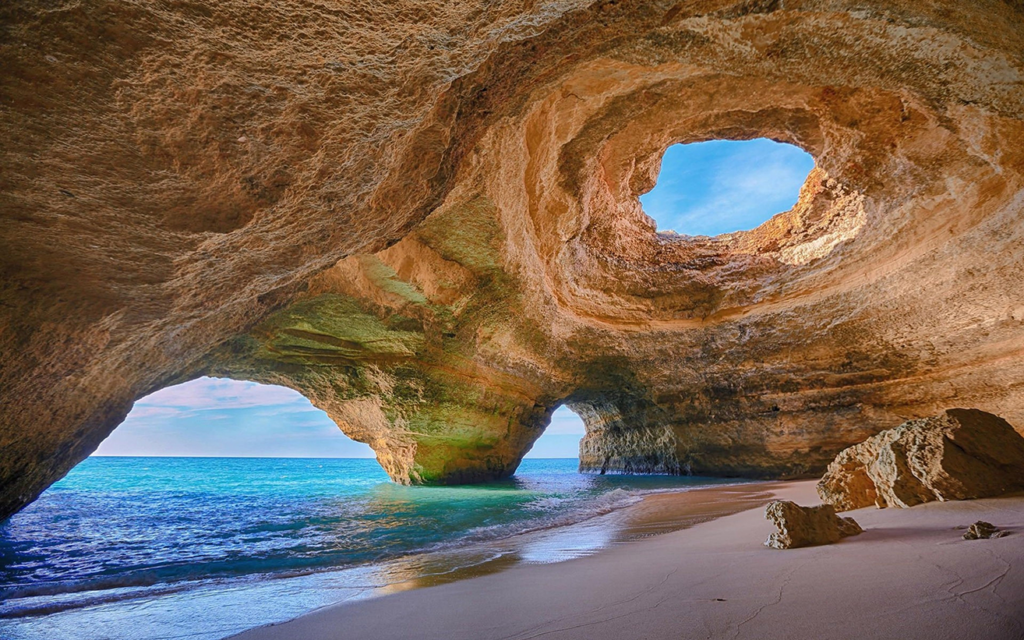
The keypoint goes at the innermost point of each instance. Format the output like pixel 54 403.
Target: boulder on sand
pixel 958 455
pixel 806 526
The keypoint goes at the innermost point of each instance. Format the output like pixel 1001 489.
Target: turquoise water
pixel 188 537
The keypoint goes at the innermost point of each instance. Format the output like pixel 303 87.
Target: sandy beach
pixel 909 575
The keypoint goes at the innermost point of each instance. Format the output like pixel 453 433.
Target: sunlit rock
pixel 958 455
pixel 806 526
pixel 424 217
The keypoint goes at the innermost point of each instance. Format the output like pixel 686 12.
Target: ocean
pixel 201 548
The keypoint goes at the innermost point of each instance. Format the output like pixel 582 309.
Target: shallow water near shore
pixel 206 547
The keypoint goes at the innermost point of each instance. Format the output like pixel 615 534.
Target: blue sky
pixel 562 437
pixel 221 417
pixel 708 188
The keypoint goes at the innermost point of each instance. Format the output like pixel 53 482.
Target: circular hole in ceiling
pixel 722 186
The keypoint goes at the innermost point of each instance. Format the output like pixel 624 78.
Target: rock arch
pixel 424 217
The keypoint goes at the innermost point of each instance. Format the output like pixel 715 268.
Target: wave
pixel 539 512
pixel 39 601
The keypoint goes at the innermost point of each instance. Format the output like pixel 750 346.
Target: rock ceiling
pixel 424 217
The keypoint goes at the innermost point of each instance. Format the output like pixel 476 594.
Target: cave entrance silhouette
pixel 223 417
pixel 561 438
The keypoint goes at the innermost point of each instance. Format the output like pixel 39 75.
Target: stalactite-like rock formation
pixel 424 217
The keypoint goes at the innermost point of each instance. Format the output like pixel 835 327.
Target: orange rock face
pixel 961 454
pixel 424 217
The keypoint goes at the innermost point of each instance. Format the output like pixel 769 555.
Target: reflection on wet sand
pixel 666 512
pixel 415 573
pixel 656 514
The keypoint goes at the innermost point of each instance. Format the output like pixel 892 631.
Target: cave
pixel 436 235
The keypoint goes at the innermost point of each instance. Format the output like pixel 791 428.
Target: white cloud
pixel 221 417
pixel 205 394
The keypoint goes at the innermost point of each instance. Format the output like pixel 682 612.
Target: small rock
pixel 806 526
pixel 849 527
pixel 243 139
pixel 982 529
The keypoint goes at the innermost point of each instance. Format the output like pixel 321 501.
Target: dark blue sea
pixel 202 548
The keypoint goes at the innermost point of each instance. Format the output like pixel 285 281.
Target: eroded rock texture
pixel 959 455
pixel 806 526
pixel 424 217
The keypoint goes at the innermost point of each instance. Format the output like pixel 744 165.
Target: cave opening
pixel 562 437
pixel 723 186
pixel 226 418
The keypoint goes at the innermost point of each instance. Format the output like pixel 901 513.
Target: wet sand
pixel 662 513
pixel 910 575
pixel 657 514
